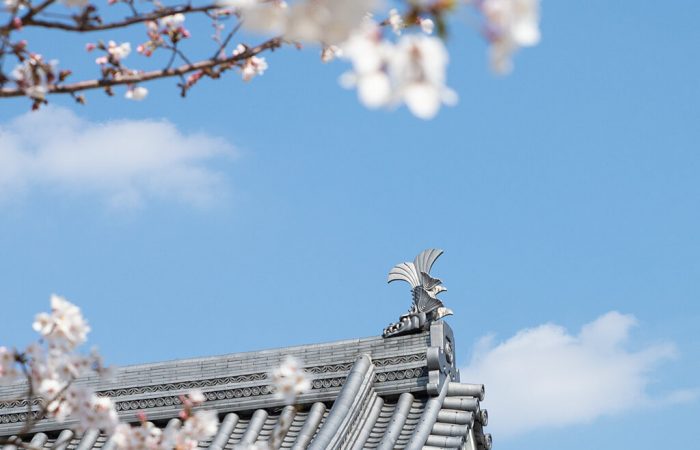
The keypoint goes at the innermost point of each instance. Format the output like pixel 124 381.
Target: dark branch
pixel 205 65
pixel 84 27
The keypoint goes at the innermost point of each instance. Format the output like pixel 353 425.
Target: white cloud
pixel 546 377
pixel 125 162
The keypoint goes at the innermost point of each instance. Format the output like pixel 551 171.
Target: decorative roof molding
pixel 366 394
pixel 426 307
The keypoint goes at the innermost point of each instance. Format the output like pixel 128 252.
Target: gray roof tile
pixel 378 400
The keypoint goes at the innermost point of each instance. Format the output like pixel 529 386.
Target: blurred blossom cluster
pixel 410 71
pixel 197 426
pixel 510 25
pixel 290 380
pixel 52 367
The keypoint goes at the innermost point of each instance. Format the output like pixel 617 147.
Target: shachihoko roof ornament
pixel 426 307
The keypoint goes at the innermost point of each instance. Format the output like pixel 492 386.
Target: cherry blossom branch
pixel 34 417
pixel 206 66
pixel 396 60
pixel 84 26
pixel 228 38
pixel 33 11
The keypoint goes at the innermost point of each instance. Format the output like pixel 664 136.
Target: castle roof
pixel 400 392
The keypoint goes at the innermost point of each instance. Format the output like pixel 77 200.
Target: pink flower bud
pixel 90 47
pixel 17 23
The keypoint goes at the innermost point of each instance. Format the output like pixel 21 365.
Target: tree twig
pixel 31 21
pixel 207 64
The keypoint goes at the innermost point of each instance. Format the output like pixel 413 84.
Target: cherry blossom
pixel 368 53
pixel 330 52
pixel 325 21
pixel 51 367
pixel 426 25
pixel 119 51
pixel 510 25
pixel 237 3
pixel 412 71
pixel 65 328
pixel 196 397
pixel 396 21
pixel 136 93
pixel 146 436
pixel 197 426
pixel 201 425
pixel 290 380
pixel 172 22
pixel 8 367
pixel 172 26
pixel 34 75
pixel 252 66
pixel 418 67
pixel 81 403
pixel 13 5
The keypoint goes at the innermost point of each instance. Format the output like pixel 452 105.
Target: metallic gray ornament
pixel 426 307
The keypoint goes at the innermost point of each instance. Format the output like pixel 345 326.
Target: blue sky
pixel 560 193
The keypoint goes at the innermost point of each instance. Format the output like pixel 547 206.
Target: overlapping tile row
pixel 239 382
pixel 378 399
pixel 460 421
pixel 394 423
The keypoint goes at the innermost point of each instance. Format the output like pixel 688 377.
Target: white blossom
pixel 8 366
pixel 53 368
pixel 196 397
pixel 418 68
pixel 173 21
pixel 412 71
pixel 32 76
pixel 510 25
pixel 426 25
pixel 102 415
pixel 13 5
pixel 325 21
pixel 369 55
pixel 120 51
pixel 330 52
pixel 396 21
pixel 146 436
pixel 265 17
pixel 136 93
pixel 237 3
pixel 65 327
pixel 252 67
pixel 201 425
pixel 50 388
pixel 240 48
pixel 290 380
